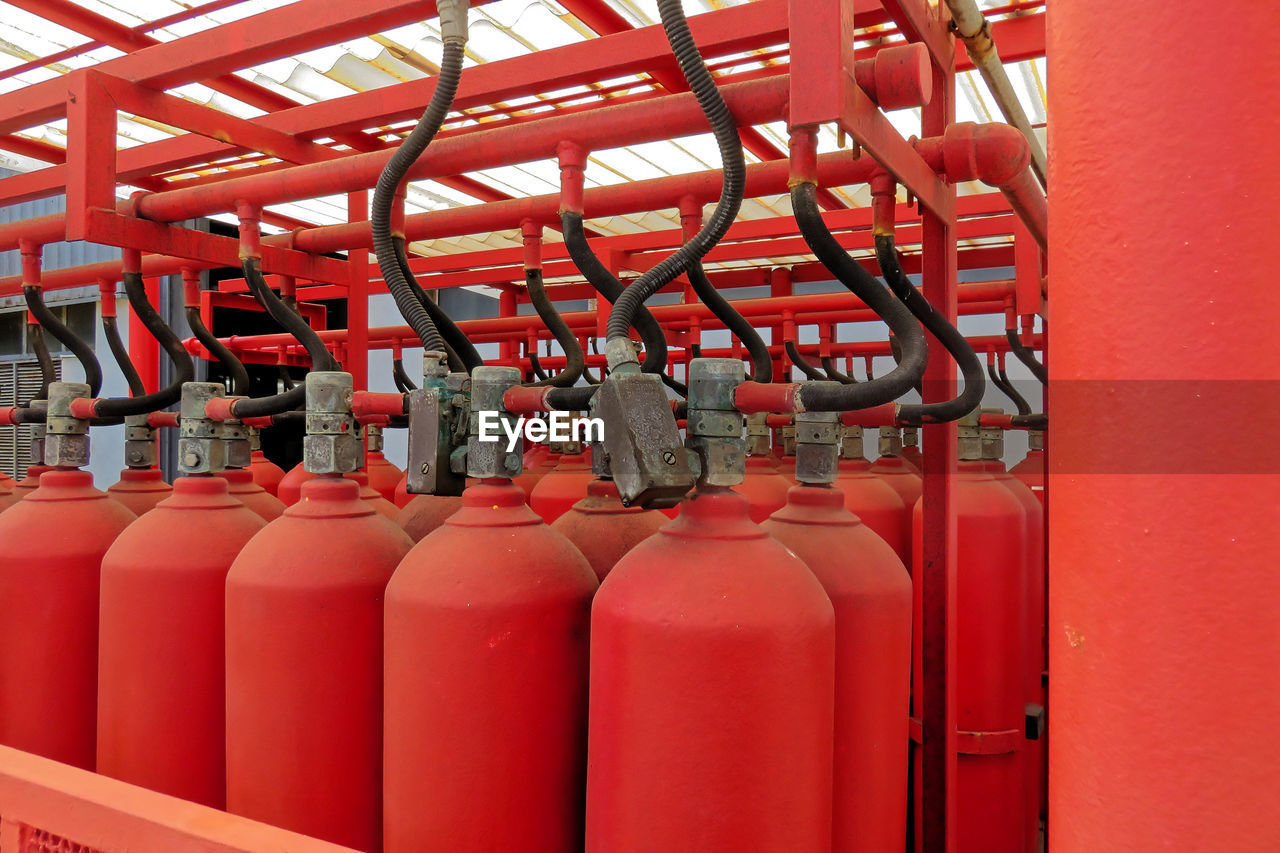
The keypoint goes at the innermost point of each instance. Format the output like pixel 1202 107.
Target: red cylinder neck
pixel 329 496
pixel 200 491
pixel 141 475
pixel 714 513
pixel 818 505
pixel 494 502
pixel 66 484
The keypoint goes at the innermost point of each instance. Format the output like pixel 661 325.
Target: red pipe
pixel 754 102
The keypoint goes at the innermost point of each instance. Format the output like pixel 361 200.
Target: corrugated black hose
pixel 829 365
pixel 891 386
pixel 389 182
pixel 51 324
pixel 972 378
pixel 232 365
pixel 457 346
pixel 183 367
pixel 761 363
pixel 1027 357
pixel 403 383
pixel 575 360
pixel 112 332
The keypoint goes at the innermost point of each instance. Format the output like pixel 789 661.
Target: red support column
pixel 937 693
pixel 1163 589
pixel 144 351
pixel 358 298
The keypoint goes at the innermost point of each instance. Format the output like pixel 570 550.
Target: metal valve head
pixel 852 444
pixel 641 439
pixel 715 425
pixel 66 442
pixel 201 448
pixel 969 434
pixel 890 441
pixel 140 450
pixel 332 444
pixel 491 458
pixel 992 437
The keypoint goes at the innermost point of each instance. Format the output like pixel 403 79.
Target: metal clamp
pixel 201 449
pixel 332 444
pixel 66 443
pixel 715 426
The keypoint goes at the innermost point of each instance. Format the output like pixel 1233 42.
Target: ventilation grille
pixel 19 382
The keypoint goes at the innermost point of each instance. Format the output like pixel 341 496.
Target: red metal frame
pixel 814 47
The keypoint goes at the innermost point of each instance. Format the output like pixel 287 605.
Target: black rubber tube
pixel 121 355
pixel 289 320
pixel 232 365
pixel 1001 381
pixel 402 380
pixel 703 86
pixel 462 353
pixel 48 373
pixel 761 362
pixel 51 324
pixel 183 368
pixel 384 194
pixel 810 372
pixel 891 386
pixel 535 366
pixel 1026 356
pixel 575 359
pixel 829 365
pixel 973 380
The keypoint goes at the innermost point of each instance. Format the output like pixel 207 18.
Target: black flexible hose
pixel 462 353
pixel 51 324
pixel 183 368
pixel 810 372
pixel 761 362
pixel 289 320
pixel 232 365
pixel 403 383
pixel 535 365
pixel 1026 356
pixel 48 373
pixel 1001 381
pixel 282 373
pixel 121 355
pixel 829 365
pixel 607 285
pixel 384 194
pixel 675 385
pixel 575 359
pixel 972 378
pixel 703 86
pixel 891 386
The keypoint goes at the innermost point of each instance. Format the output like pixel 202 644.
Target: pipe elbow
pixel 992 153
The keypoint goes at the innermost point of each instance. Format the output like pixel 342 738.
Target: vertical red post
pixel 509 347
pixel 779 286
pixel 91 151
pixel 937 706
pixel 1163 590
pixel 358 298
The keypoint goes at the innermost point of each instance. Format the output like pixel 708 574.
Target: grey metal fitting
pixel 66 442
pixel 435 365
pixel 453 20
pixel 852 445
pixel 758 434
pixel 489 457
pixel 890 441
pixel 239 450
pixel 140 447
pixel 373 438
pixel 646 454
pixel 201 448
pixel 332 444
pixel 620 352
pixel 910 436
pixel 715 431
pixel 817 436
pixel 38 432
pixel 992 437
pixel 255 439
pixel 1035 439
pixel 788 436
pixel 970 437
pixel 600 461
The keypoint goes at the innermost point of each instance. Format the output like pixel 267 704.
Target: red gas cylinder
pixel 140 489
pixel 712 691
pixel 537 462
pixel 290 487
pixel 871 592
pixel 425 513
pixel 7 496
pixel 486 683
pixel 383 476
pixel 990 672
pixel 876 503
pixel 266 473
pixel 604 529
pixel 764 488
pixel 161 674
pixel 304 666
pixel 897 473
pixel 1031 469
pixel 402 497
pixel 242 485
pixel 6 481
pixel 787 468
pixel 31 482
pixel 51 547
pixel 1033 644
pixel 562 487
pixel 368 493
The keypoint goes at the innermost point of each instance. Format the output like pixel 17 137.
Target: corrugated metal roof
pixel 498 30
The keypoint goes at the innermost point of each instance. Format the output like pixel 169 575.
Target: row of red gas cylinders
pixel 491 642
